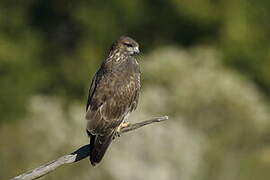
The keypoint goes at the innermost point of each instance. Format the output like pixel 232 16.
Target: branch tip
pixel 77 155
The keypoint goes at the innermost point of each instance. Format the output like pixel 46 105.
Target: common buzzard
pixel 113 94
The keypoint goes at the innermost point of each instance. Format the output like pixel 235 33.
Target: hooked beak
pixel 136 50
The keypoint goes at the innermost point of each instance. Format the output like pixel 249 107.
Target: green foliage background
pixel 205 63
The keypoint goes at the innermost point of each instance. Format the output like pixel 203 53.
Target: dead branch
pixel 77 155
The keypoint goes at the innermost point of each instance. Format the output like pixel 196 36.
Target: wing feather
pixel 112 95
pixel 92 89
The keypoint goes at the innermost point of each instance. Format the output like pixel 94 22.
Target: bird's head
pixel 127 45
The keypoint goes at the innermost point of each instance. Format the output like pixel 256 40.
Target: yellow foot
pixel 122 125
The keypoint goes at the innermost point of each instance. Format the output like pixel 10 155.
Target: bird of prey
pixel 113 94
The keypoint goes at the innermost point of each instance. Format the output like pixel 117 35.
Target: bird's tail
pixel 99 144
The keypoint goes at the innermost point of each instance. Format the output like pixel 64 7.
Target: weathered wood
pixel 79 154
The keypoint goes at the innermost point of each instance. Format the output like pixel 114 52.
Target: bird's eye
pixel 128 45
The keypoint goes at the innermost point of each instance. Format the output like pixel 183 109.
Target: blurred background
pixel 205 64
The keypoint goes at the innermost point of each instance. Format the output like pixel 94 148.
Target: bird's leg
pixel 125 122
pixel 122 125
pixel 117 132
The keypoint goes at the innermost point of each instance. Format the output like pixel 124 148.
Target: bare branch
pixel 79 154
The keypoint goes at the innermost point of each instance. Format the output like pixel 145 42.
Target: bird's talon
pixel 117 134
pixel 118 131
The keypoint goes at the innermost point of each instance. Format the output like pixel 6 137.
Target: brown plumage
pixel 113 94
